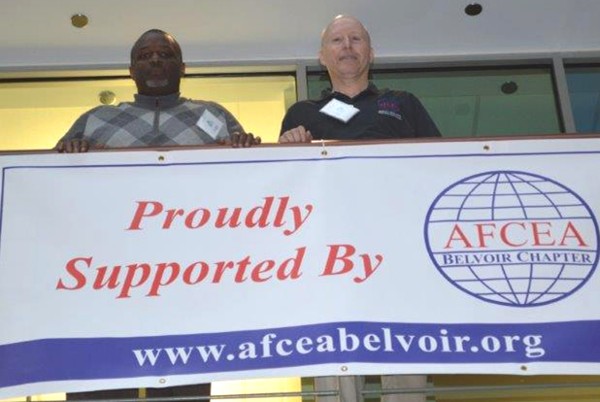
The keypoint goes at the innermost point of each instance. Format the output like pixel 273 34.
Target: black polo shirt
pixel 382 115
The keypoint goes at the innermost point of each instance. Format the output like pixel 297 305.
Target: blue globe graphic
pixel 512 238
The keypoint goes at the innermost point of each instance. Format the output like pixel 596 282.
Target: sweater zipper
pixel 156 116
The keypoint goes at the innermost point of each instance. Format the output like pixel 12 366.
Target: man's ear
pixel 321 59
pixel 182 70
pixel 371 56
pixel 132 73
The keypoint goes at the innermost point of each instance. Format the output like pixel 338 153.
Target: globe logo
pixel 512 238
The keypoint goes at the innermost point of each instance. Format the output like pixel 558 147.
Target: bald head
pixel 346 53
pixel 348 21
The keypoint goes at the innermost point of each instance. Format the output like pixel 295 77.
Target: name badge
pixel 339 110
pixel 210 124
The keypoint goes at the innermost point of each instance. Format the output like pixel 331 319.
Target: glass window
pixel 509 388
pixel 475 102
pixel 584 91
pixel 34 114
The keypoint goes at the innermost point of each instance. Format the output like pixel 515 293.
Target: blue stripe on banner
pixel 359 342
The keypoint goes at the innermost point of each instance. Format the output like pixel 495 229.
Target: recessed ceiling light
pixel 79 20
pixel 509 87
pixel 473 9
pixel 107 97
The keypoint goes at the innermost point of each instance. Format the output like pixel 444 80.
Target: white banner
pixel 149 268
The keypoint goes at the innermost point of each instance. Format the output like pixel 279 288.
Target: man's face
pixel 346 49
pixel 156 66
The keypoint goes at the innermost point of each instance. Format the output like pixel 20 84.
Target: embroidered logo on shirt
pixel 389 107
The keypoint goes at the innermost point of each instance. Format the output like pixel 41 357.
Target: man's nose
pixel 155 57
pixel 347 42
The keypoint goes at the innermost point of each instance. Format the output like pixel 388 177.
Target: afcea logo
pixel 512 238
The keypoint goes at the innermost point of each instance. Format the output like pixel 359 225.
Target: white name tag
pixel 339 110
pixel 210 124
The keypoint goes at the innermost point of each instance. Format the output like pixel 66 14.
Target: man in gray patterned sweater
pixel 158 116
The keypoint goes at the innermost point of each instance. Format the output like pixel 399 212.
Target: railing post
pixel 403 382
pixel 349 388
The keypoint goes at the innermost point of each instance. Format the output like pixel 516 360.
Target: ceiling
pixel 37 34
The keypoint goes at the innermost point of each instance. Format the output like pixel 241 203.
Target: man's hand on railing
pixel 241 140
pixel 295 135
pixel 72 146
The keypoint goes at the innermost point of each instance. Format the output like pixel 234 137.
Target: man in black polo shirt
pixel 354 109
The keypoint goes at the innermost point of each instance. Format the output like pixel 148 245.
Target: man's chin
pixel 157 83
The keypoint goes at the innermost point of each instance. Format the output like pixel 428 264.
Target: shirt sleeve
pixel 77 129
pixel 422 122
pixel 232 123
pixel 303 113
